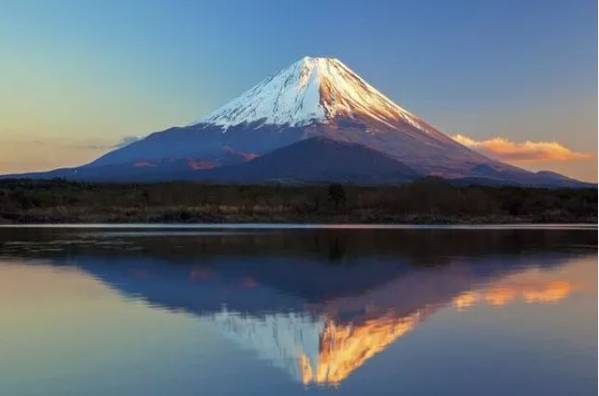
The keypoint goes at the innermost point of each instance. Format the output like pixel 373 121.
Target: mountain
pixel 310 161
pixel 307 161
pixel 314 97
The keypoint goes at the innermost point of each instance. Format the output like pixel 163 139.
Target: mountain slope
pixel 317 160
pixel 311 160
pixel 311 90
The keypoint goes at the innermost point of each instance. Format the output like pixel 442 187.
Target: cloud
pixel 508 150
pixel 126 141
pixel 121 143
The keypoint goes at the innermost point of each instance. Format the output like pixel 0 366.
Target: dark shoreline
pixel 350 220
pixel 423 202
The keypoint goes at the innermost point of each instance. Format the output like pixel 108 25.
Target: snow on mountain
pixel 311 90
pixel 322 97
pixel 314 349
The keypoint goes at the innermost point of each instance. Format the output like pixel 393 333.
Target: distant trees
pixel 425 201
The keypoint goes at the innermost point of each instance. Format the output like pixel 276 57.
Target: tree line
pixel 424 201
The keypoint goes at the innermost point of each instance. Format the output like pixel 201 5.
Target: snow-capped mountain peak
pixel 341 119
pixel 308 91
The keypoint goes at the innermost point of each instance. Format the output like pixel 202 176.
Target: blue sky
pixel 79 76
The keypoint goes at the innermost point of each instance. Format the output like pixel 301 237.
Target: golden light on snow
pixel 345 347
pixel 312 89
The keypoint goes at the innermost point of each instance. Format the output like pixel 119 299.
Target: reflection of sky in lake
pixel 92 322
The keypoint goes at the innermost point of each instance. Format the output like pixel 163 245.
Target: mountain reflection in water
pixel 317 303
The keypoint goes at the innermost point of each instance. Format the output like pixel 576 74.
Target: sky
pixel 514 79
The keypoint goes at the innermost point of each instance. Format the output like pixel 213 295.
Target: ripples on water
pixel 257 310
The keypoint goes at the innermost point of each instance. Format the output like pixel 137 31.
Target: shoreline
pixel 292 226
pixel 426 202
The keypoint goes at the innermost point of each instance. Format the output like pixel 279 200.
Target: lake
pixel 299 310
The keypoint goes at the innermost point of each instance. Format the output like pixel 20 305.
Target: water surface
pixel 259 310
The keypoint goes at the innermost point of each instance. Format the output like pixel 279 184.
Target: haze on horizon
pixel 515 79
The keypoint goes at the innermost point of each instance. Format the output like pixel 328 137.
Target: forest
pixel 423 202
